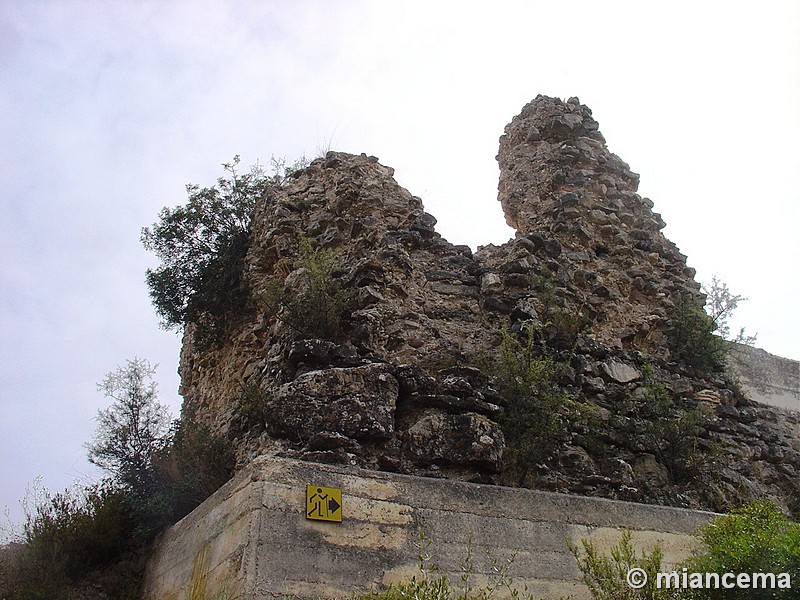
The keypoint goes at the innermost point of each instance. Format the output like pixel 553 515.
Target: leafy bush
pixel 532 422
pixel 438 588
pixel 165 471
pixel 317 304
pixel 69 534
pixel 755 538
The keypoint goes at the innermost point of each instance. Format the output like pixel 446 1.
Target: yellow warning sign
pixel 323 503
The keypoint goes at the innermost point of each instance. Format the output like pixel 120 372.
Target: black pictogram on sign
pixel 323 503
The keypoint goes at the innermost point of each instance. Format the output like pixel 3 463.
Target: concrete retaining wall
pixel 251 537
pixel 767 378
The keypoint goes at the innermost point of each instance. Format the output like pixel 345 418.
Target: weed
pixel 606 576
pixel 251 409
pixel 434 585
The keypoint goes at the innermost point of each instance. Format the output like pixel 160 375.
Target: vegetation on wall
pixel 559 325
pixel 700 334
pixel 202 245
pixel 532 421
pixel 672 432
pixel 249 411
pixel 315 304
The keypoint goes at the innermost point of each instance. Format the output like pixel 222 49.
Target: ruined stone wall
pixel 252 537
pixel 407 384
pixel 415 301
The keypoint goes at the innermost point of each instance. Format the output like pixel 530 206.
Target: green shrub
pixel 672 432
pixel 318 308
pixel 532 421
pixel 69 534
pixel 756 538
pixel 165 471
pixel 699 335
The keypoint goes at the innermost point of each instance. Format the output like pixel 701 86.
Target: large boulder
pixel 356 402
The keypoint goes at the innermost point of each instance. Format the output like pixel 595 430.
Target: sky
pixel 108 109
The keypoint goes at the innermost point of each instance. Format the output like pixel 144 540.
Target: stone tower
pixel 558 179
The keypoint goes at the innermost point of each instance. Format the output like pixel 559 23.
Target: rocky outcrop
pixel 407 379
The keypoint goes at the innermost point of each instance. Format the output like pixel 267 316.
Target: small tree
pixel 133 428
pixel 720 304
pixel 699 332
pixel 201 247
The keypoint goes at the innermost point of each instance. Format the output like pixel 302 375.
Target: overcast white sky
pixel 107 109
